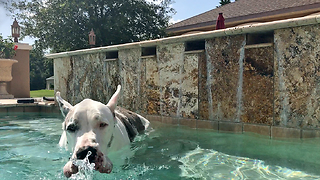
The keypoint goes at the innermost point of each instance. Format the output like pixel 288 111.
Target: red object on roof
pixel 246 11
pixel 220 22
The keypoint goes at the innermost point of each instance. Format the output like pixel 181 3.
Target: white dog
pixel 93 126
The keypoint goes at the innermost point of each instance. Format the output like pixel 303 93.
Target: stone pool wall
pixel 263 79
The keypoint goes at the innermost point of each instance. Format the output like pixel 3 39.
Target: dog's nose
pixel 82 153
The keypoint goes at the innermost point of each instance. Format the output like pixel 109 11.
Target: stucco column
pixel 20 84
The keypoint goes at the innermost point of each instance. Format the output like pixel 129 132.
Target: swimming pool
pixel 28 150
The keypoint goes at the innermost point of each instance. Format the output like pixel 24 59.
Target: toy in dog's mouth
pixel 91 159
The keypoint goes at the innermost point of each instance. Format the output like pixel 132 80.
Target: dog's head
pixel 88 126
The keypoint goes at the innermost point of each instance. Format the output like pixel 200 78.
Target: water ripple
pixel 218 165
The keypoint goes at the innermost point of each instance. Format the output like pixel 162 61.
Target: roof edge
pixel 308 8
pixel 261 27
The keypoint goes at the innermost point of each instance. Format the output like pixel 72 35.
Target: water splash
pixel 86 169
pixel 283 96
pixel 240 81
pixel 181 69
pixel 210 81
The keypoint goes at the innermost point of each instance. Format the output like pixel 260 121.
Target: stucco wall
pixel 20 84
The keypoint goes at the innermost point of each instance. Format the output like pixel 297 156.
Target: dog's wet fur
pixel 98 128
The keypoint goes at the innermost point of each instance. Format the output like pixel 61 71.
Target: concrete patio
pixel 39 105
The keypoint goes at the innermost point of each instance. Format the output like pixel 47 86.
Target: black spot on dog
pixel 131 121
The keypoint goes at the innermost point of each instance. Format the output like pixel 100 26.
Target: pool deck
pixel 39 105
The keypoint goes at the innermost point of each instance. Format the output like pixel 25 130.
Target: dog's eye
pixel 72 128
pixel 102 125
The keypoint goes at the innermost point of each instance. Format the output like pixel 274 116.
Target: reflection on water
pixel 28 150
pixel 210 164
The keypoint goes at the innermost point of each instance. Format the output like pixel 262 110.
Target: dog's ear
pixel 64 105
pixel 63 139
pixel 112 104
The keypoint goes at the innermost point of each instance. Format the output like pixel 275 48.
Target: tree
pixel 63 25
pixel 40 67
pixel 224 2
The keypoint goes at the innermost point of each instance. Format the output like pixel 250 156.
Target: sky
pixel 184 9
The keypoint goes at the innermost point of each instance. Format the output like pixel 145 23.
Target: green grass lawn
pixel 41 93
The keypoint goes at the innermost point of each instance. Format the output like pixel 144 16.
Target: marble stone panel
pixel 112 77
pixel 258 86
pixel 62 72
pixel 87 79
pixel 86 76
pixel 130 78
pixel 97 75
pixel 170 59
pixel 142 107
pixel 189 87
pixel 223 55
pixel 297 77
pixel 80 85
pixel 152 87
pixel 203 92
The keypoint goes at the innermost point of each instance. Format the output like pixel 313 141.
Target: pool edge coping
pixel 273 132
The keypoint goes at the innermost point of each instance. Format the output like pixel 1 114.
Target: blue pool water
pixel 28 150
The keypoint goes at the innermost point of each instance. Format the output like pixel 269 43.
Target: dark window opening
pixel 148 51
pixel 112 55
pixel 260 38
pixel 195 45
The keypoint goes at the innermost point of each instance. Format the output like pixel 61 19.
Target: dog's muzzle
pixel 102 163
pixel 82 153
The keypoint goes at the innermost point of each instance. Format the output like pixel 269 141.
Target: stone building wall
pixel 130 75
pixel 152 86
pixel 297 76
pixel 258 78
pixel 276 84
pixel 80 77
pixel 223 85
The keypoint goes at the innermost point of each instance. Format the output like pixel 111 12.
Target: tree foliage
pixel 63 25
pixel 224 2
pixel 40 67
